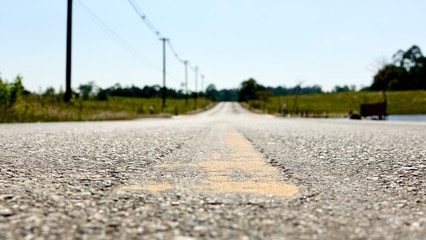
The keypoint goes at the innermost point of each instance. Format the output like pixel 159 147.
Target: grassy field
pixel 339 104
pixel 32 108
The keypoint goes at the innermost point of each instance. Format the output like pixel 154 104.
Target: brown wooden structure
pixel 375 109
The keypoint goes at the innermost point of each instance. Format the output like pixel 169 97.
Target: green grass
pixel 338 104
pixel 34 108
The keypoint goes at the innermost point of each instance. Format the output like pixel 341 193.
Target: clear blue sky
pixel 277 42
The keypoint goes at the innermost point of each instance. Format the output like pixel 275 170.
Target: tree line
pixel 406 72
pixel 91 90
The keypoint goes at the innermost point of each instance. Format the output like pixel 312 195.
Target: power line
pixel 145 19
pixel 175 53
pixel 151 27
pixel 155 31
pixel 117 38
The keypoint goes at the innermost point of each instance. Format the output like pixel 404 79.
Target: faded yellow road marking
pixel 239 169
pixel 259 178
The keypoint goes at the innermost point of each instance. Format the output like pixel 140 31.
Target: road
pixel 222 174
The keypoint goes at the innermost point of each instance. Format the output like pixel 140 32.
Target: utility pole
pixel 186 82
pixel 202 84
pixel 164 71
pixel 68 91
pixel 196 88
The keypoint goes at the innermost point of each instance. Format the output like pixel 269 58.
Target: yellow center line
pixel 239 169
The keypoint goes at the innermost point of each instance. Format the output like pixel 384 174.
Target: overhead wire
pixel 117 38
pixel 174 52
pixel 155 31
pixel 145 19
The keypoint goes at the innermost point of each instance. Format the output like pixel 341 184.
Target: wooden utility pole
pixel 196 88
pixel 186 82
pixel 68 91
pixel 202 84
pixel 164 71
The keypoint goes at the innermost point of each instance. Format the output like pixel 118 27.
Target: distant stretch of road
pixel 222 174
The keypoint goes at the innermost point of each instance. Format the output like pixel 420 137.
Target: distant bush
pixel 10 92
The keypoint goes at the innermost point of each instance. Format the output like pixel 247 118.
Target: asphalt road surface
pixel 222 174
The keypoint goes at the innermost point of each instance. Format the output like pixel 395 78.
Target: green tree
pixel 390 77
pixel 87 90
pixel 4 93
pixel 408 72
pixel 249 90
pixel 212 93
pixel 9 94
pixel 16 90
pixel 102 95
pixel 50 91
pixel 343 88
